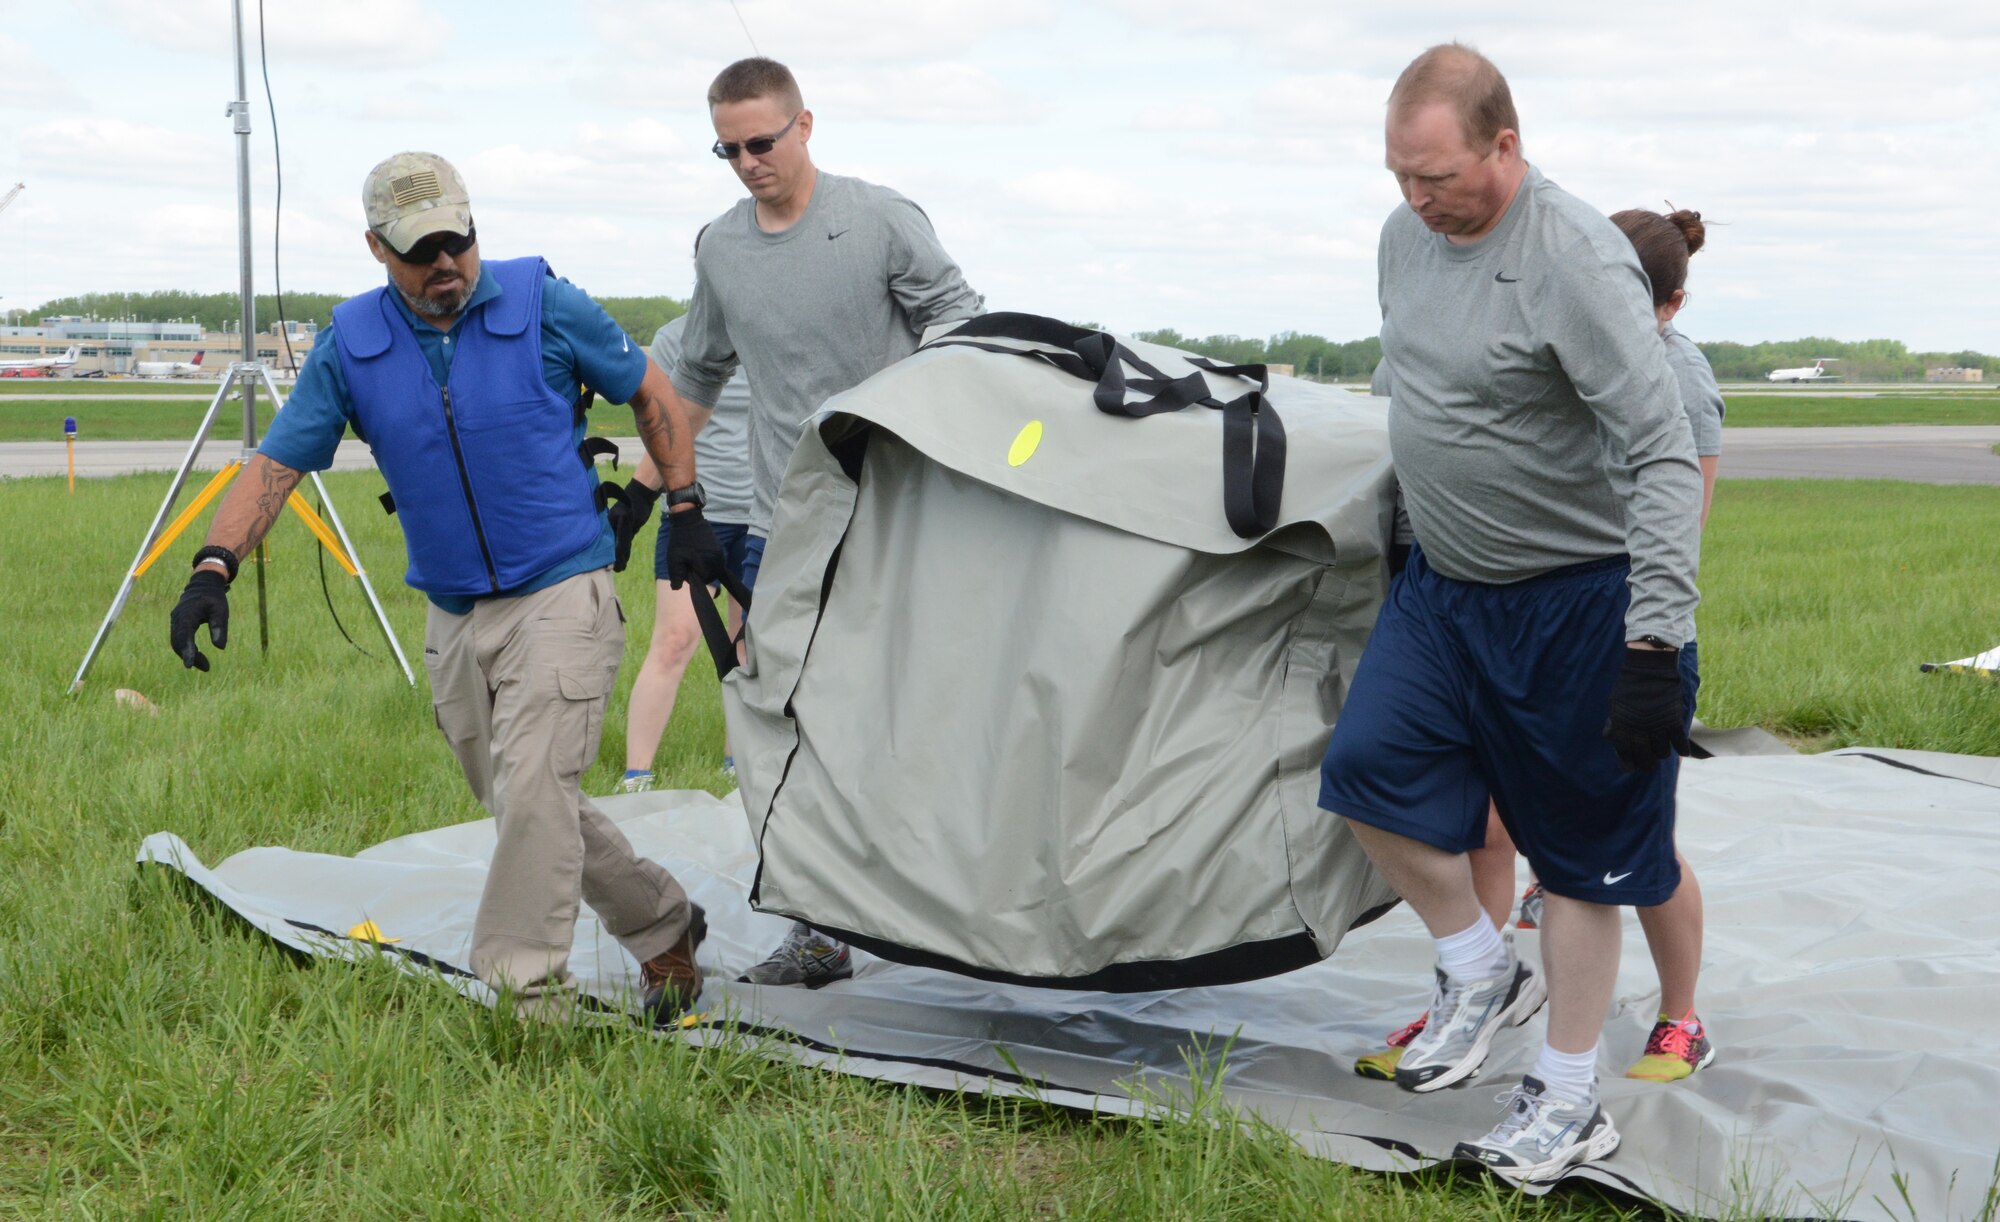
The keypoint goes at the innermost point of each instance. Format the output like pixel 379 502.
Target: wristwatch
pixel 694 494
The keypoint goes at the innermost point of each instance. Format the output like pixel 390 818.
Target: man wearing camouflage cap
pixel 464 379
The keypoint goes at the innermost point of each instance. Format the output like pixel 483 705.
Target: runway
pixel 1929 454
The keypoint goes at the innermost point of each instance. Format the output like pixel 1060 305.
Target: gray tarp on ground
pixel 1051 716
pixel 1851 976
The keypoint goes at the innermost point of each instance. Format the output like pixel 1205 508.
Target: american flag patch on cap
pixel 409 189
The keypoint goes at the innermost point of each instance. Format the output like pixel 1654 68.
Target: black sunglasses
pixel 758 145
pixel 426 251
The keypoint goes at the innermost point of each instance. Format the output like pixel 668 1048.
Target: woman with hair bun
pixel 1664 244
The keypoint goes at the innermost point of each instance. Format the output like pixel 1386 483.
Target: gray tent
pixel 1038 692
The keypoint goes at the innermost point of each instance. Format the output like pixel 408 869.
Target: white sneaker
pixel 1539 1137
pixel 1465 1016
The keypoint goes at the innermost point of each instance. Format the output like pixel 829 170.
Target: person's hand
pixel 1648 709
pixel 693 554
pixel 204 601
pixel 628 514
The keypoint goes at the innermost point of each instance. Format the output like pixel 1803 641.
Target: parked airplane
pixel 40 367
pixel 1816 372
pixel 169 369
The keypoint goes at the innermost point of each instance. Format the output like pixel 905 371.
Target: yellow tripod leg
pixel 180 523
pixel 321 531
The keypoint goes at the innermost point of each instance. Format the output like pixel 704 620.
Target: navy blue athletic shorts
pixel 753 561
pixel 733 536
pixel 1467 690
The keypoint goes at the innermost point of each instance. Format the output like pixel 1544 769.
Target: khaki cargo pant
pixel 520 686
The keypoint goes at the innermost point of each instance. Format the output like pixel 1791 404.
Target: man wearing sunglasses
pixel 812 285
pixel 464 378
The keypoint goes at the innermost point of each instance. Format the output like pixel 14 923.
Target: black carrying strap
pixel 714 632
pixel 1253 437
pixel 590 449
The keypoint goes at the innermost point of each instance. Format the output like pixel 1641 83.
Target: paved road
pixel 1932 454
pixel 1929 454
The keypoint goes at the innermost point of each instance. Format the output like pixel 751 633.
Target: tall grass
pixel 158 1061
pixel 1813 411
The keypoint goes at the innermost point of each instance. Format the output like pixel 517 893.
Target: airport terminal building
pixel 116 347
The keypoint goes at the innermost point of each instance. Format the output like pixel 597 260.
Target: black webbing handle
pixel 1253 437
pixel 714 632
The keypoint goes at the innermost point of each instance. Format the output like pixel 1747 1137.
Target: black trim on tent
pixel 1944 776
pixel 1231 965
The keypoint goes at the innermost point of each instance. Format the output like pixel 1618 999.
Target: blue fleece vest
pixel 488 486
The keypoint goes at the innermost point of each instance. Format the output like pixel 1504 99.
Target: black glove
pixel 693 554
pixel 204 601
pixel 1648 710
pixel 628 514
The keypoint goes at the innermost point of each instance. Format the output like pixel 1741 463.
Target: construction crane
pixel 9 197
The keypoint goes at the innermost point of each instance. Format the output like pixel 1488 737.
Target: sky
pixel 1216 168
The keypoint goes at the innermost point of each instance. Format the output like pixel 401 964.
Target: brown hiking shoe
pixel 672 979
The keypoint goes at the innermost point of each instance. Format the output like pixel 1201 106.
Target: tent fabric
pixel 1018 700
pixel 1853 954
pixel 1987 664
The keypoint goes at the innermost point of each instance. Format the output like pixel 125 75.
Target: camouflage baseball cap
pixel 411 195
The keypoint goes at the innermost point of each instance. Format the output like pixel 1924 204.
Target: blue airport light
pixel 69 427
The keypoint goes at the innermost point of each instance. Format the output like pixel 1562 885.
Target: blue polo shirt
pixel 581 346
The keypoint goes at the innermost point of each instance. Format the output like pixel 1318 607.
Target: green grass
pixel 158 1061
pixel 30 388
pixel 111 420
pixel 1809 411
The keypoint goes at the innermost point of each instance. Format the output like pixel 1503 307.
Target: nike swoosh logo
pixel 1504 279
pixel 1611 880
pixel 831 236
pixel 627 341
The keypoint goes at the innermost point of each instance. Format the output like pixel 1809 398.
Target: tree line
pixel 1311 356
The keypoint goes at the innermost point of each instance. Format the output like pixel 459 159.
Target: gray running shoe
pixel 805 957
pixel 1540 1137
pixel 1465 1016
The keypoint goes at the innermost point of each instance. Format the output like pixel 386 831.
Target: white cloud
pixel 123 151
pixel 30 81
pixel 352 33
pixel 1074 193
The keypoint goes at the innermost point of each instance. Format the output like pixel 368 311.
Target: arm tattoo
pixel 272 487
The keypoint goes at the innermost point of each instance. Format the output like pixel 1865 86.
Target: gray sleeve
pixel 1606 337
pixel 922 277
pixel 707 358
pixel 1701 398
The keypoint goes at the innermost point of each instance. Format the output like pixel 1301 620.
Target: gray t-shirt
pixel 1533 422
pixel 1700 396
pixel 815 310
pixel 722 448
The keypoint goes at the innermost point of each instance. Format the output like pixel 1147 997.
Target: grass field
pixel 26 414
pixel 110 420
pixel 1809 411
pixel 31 388
pixel 157 1062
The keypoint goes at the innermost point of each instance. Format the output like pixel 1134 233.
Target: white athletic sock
pixel 1567 1075
pixel 1474 953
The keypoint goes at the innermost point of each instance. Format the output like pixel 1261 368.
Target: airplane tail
pixel 197 358
pixel 75 351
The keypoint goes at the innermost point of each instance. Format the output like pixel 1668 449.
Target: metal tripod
pixel 244 375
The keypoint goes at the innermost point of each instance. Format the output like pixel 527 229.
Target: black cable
pixel 278 284
pixel 278 204
pixel 327 593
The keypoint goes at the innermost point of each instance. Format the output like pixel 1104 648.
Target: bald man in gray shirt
pixel 1538 648
pixel 812 285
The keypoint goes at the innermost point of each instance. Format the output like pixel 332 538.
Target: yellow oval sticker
pixel 1025 442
